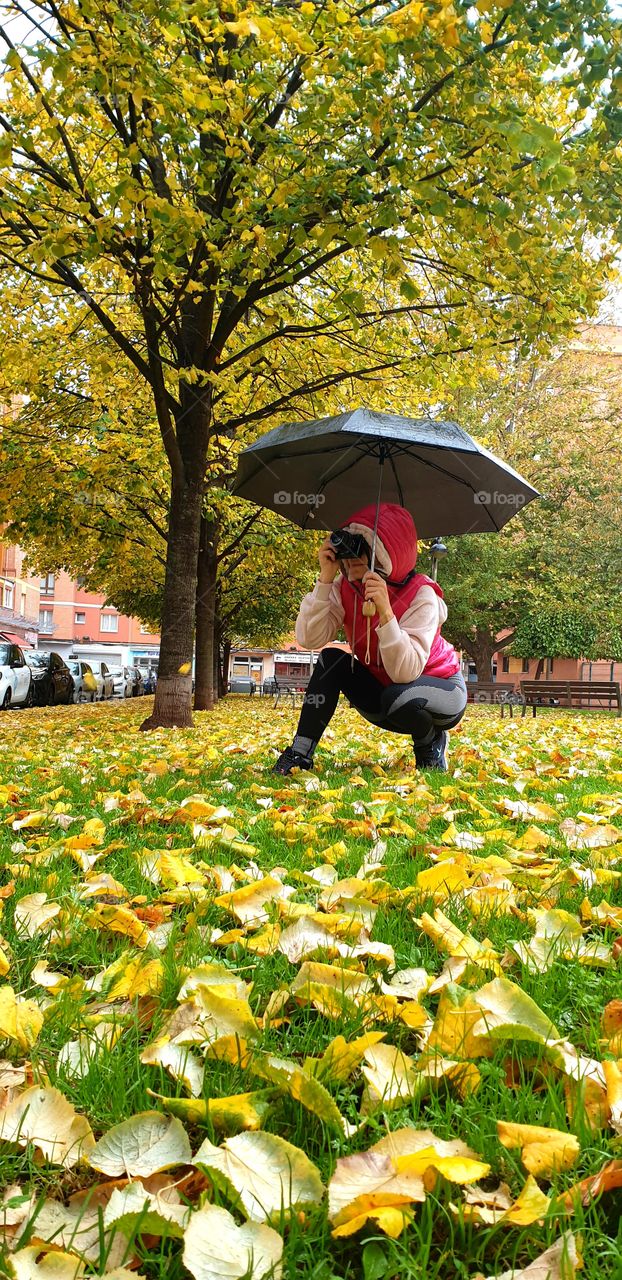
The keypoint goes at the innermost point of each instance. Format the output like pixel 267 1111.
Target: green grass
pixel 87 754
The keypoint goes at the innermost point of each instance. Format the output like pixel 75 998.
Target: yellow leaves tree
pixel 191 188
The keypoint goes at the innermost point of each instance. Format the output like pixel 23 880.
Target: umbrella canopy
pixel 316 473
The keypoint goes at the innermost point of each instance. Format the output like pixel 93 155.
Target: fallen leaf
pixel 215 1248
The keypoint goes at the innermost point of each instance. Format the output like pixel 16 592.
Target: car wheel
pixel 30 696
pixel 6 701
pixel 49 701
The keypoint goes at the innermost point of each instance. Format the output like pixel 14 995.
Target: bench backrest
pixel 580 689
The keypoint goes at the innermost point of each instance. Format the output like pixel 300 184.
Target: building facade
pixel 19 597
pixel 55 613
pixel 79 623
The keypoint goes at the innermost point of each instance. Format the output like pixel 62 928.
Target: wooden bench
pixel 291 686
pixel 571 693
pixel 493 693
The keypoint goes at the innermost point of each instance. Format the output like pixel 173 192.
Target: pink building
pixel 19 597
pixel 76 622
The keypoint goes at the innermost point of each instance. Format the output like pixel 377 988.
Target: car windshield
pixel 116 671
pixel 36 659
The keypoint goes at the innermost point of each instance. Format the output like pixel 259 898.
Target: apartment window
pixel 525 665
pixel 109 622
pixel 8 595
pixel 145 631
pixel 81 580
pixel 551 661
pixel 45 619
pixel 506 664
pixel 79 617
pixel 22 604
pixel 47 584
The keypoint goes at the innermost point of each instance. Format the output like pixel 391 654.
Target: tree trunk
pixel 539 669
pixel 481 651
pixel 172 706
pixel 205 696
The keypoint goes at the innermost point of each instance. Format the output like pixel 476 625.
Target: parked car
pixel 86 687
pixel 52 681
pixel 102 670
pixel 15 677
pixel 122 681
pixel 139 687
pixel 149 682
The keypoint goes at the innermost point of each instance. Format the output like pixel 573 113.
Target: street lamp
pixel 437 551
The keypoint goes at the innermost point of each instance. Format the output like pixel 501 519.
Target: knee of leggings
pixel 332 657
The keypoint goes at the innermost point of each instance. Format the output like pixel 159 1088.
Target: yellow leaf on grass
pixel 261 1173
pixel 158 1213
pixel 450 939
pixel 217 977
pixel 222 1016
pixel 341 1057
pixel 391 1078
pixel 557 1263
pixel 443 880
pixel 35 819
pixel 248 904
pixel 613 1076
pixel 215 1247
pixel 302 1086
pixel 34 914
pixel 146 1143
pixel 42 1263
pixel 46 1119
pixel 119 920
pixel 20 1020
pixel 543 1151
pixel 342 981
pixel 492 1207
pixel 365 1182
pixel 131 975
pixel 228 1115
pixel 175 870
pixel 180 1063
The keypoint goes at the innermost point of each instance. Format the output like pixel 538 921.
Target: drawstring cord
pixel 353 633
pixel 368 649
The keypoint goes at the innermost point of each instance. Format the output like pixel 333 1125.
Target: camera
pixel 349 546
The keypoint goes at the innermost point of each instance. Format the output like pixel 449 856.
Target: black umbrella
pixel 317 473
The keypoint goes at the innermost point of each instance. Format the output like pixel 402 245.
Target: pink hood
pixel 396 542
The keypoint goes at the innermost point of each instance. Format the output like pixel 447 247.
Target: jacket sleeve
pixel 321 616
pixel 405 645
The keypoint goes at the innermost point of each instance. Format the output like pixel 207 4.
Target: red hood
pixel 396 549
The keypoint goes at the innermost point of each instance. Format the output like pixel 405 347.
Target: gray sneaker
pixel 434 756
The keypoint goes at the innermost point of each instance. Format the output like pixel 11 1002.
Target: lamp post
pixel 437 551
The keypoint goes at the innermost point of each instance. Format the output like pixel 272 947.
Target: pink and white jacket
pixel 410 644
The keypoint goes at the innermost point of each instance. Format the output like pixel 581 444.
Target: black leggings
pixel 419 708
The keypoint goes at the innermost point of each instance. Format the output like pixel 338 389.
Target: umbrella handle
pixel 369 609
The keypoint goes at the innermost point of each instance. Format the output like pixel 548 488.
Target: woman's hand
pixel 376 590
pixel 328 562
